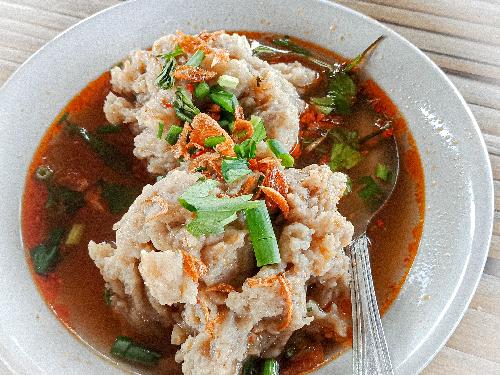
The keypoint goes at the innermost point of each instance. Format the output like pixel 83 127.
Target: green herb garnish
pixel 109 129
pixel 234 169
pixel 214 140
pixel 277 148
pixel 251 366
pixel 119 197
pixel 357 60
pixel 177 51
pixel 196 59
pixel 201 90
pixel 264 49
pixel 125 348
pixel 165 79
pixel 286 43
pixel 183 105
pixel 259 130
pixel 382 172
pixel 62 200
pixel 341 92
pixel 345 151
pixel 107 152
pixel 340 95
pixel 226 100
pixel 173 134
pixel 46 255
pixel 371 192
pixel 212 212
pixel 262 235
pixel 248 148
pixel 159 133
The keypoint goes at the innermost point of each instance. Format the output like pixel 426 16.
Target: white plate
pixel 459 191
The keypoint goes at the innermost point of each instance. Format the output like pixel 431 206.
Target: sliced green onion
pixel 173 134
pixel 202 89
pixel 43 173
pixel 124 347
pixel 196 58
pixel 382 172
pixel 75 235
pixel 271 367
pixel 228 82
pixel 262 235
pixel 159 133
pixel 226 100
pixel 107 294
pixel 214 140
pixel 278 150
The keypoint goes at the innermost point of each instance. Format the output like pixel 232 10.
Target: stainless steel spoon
pixel 370 352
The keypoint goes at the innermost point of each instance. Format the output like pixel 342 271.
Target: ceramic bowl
pixel 459 192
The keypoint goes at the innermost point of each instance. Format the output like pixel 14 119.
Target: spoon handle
pixel 370 353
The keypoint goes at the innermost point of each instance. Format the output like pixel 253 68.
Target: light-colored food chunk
pixel 263 89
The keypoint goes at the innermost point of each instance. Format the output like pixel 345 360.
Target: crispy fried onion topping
pixel 284 291
pixel 192 266
pixel 193 74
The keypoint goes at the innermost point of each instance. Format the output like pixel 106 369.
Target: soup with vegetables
pixel 189 210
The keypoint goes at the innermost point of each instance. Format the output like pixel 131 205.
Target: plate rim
pixel 474 266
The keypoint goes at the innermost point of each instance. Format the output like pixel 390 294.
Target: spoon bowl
pixel 360 212
pixel 370 351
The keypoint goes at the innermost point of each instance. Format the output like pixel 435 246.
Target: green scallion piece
pixel 159 133
pixel 173 134
pixel 278 150
pixel 125 348
pixel 226 100
pixel 214 140
pixel 75 235
pixel 201 91
pixel 262 235
pixel 271 367
pixel 196 58
pixel 228 82
pixel 43 173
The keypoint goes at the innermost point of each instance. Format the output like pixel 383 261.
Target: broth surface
pixel 74 291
